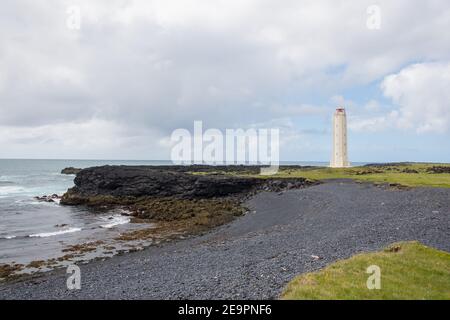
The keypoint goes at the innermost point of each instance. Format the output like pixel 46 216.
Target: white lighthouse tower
pixel 339 157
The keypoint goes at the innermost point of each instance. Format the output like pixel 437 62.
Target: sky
pixel 113 79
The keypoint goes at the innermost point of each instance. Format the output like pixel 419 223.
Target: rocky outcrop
pixel 388 164
pixel 129 182
pixel 70 170
pixel 191 199
pixel 439 169
pixel 48 198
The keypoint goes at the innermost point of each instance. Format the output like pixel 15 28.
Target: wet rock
pixel 48 198
pixel 70 170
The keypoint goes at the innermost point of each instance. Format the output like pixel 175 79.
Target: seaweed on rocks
pixel 195 197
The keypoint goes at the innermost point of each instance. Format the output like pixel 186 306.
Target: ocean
pixel 33 230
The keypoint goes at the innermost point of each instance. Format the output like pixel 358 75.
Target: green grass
pixel 411 175
pixel 409 270
pixel 408 174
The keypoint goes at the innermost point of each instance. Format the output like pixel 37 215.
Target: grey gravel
pixel 256 255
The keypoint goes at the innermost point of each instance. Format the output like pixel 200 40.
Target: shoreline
pixel 160 218
pixel 177 202
pixel 255 255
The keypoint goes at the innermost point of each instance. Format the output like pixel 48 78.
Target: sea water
pixel 35 230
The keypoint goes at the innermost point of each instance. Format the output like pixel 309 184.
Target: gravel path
pixel 257 254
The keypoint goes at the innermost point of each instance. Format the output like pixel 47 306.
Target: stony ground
pixel 257 254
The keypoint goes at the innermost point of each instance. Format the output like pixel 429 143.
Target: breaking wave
pixel 115 221
pixel 7 190
pixel 8 237
pixel 55 233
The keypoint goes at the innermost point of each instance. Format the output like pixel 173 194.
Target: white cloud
pixel 422 93
pixel 375 123
pixel 94 139
pixel 299 110
pixel 420 102
pixel 372 106
pixel 156 65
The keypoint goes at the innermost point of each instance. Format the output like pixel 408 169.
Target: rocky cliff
pixel 125 181
pixel 198 195
pixel 153 181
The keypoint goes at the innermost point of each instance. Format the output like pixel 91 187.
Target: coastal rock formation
pixel 173 192
pixel 152 181
pixel 134 181
pixel 70 170
pixel 48 198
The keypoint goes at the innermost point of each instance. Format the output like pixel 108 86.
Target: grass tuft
pixel 409 270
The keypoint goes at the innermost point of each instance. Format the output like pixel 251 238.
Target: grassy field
pixel 409 270
pixel 407 174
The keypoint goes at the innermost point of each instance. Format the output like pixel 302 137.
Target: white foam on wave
pixel 115 221
pixel 8 237
pixel 6 190
pixel 43 203
pixel 55 233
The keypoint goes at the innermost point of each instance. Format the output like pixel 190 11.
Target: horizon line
pixel 168 160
